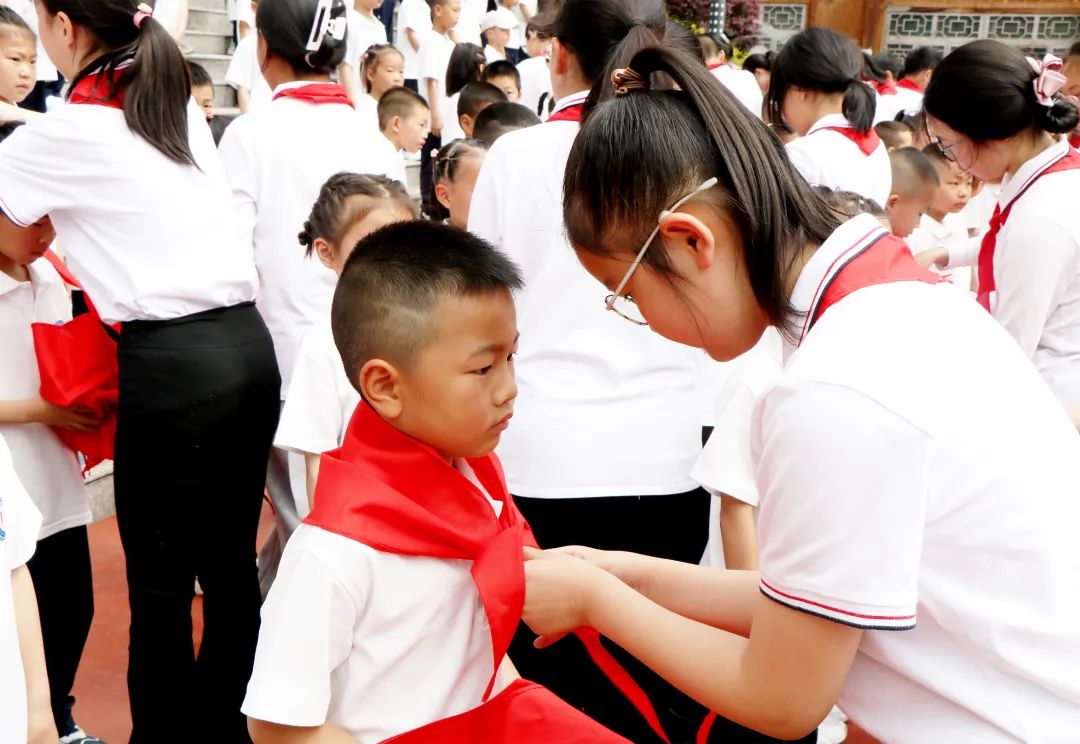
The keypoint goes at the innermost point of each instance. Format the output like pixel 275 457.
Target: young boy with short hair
pixel 940 229
pixel 500 118
pixel 504 75
pixel 895 134
pixel 404 119
pixel 914 185
pixel 202 89
pixel 475 98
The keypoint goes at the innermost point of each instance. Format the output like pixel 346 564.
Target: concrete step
pixel 211 20
pixel 207 42
pixel 224 96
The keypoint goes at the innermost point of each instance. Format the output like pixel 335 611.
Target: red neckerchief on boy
pixel 987 285
pixel 885 88
pixel 572 109
pixel 884 260
pixel 317 93
pixel 397 495
pixel 910 84
pixel 94 89
pixel 867 141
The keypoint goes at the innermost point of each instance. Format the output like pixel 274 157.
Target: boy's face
pixel 18 60
pixel 204 96
pixel 458 393
pixel 498 37
pixel 905 211
pixel 955 190
pixel 507 85
pixel 31 243
pixel 448 13
pixel 413 130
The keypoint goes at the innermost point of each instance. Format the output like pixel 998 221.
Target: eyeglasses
pixel 946 152
pixel 625 305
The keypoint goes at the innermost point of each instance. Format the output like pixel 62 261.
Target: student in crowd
pixel 467 29
pixel 405 121
pixel 915 184
pixel 876 502
pixel 414 20
pixel 436 47
pixel 365 31
pixel 466 66
pixel 996 114
pixel 941 229
pixel 496 29
pixel 501 118
pixel 274 183
pixel 473 99
pixel 717 51
pixel 18 47
pixel 383 68
pixel 891 66
pixel 504 75
pixel 197 378
pixel 895 134
pixel 456 167
pixel 244 74
pixel 574 482
pixel 816 89
pixel 47 82
pixel 321 399
pixel 202 88
pixel 524 11
pixel 533 70
pixel 907 98
pixel 759 65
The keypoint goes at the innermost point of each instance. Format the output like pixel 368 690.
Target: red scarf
pixel 885 88
pixel 987 284
pixel 911 85
pixel 571 113
pixel 317 93
pixel 93 89
pixel 397 495
pixel 1074 140
pixel 867 141
pixel 714 65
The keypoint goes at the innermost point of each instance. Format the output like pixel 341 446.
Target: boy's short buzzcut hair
pixel 500 118
pixel 911 170
pixel 401 102
pixel 501 68
pixel 12 23
pixel 475 97
pixel 199 75
pixel 892 132
pixel 386 296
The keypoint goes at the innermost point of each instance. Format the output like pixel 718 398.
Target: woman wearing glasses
pixel 997 115
pixel 903 571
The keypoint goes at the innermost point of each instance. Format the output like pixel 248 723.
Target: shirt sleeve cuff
pixel 867 617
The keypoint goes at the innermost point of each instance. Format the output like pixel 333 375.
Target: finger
pixel 548 640
pixel 532 553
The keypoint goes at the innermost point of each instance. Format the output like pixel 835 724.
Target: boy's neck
pixel 366 12
pixel 936 214
pixel 15 270
pixel 500 48
pixel 440 29
pixel 393 140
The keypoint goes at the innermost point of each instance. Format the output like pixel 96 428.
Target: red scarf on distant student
pixel 885 88
pixel 570 113
pixel 910 85
pixel 987 284
pixel 317 93
pixel 77 365
pixel 397 495
pixel 867 141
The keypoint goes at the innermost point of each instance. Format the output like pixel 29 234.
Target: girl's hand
pixel 559 590
pixel 935 257
pixel 75 419
pixel 620 563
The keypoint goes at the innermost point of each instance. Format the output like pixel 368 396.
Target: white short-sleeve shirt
pixel 827 158
pixel 743 85
pixel 586 377
pixel 415 15
pixel 467 29
pixel 364 33
pixel 20 523
pixel 244 72
pixel 903 100
pixel 948 533
pixel 435 51
pixel 373 642
pixel 320 400
pixel 149 238
pixel 47 469
pixel 277 160
pixel 535 82
pixel 951 234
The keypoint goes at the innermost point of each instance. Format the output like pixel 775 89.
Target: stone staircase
pixel 209 34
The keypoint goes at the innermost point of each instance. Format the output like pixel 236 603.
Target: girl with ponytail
pixel 1003 117
pixel 879 508
pixel 128 175
pixel 816 89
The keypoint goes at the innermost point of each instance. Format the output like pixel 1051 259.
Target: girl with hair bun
pixel 128 175
pixel 903 574
pixel 1002 117
pixel 277 159
pixel 816 89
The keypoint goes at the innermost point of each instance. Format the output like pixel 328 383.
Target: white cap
pixel 499 18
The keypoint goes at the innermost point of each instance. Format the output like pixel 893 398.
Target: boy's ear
pixel 892 201
pixel 325 252
pixel 395 125
pixel 466 122
pixel 442 194
pixel 380 386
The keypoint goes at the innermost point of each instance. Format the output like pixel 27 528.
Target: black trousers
pixel 674 527
pixel 64 585
pixel 197 413
pixel 427 172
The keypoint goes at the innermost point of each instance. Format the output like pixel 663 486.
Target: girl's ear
pixel 685 231
pixel 442 193
pixel 560 61
pixel 325 252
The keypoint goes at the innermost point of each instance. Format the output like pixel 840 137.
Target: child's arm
pixel 10 113
pixel 350 81
pixel 41 728
pixel 738 535
pixel 433 99
pixel 264 732
pixel 38 410
pixel 311 470
pixel 414 39
pixel 243 99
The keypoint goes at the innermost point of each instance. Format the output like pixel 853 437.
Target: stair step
pixel 209 20
pixel 224 96
pixel 207 42
pixel 216 64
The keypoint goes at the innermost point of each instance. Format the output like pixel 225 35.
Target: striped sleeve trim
pixel 865 621
pixel 11 215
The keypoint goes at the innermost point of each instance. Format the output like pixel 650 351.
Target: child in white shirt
pixel 914 187
pixel 365 31
pixel 320 399
pixel 252 90
pixel 414 20
pixel 941 228
pixel 405 122
pixel 383 69
pixel 436 46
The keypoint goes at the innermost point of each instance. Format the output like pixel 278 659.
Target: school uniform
pixel 46 75
pixel 882 510
pixel 435 51
pixel 452 128
pixel 835 155
pixel 585 378
pixel 950 234
pixel 197 385
pixel 364 33
pixel 244 72
pixel 20 522
pixel 905 97
pixel 415 15
pixel 467 29
pixel 491 54
pixel 50 474
pixel 742 84
pixel 517 34
pixel 535 82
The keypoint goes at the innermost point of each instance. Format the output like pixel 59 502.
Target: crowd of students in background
pixel 879 257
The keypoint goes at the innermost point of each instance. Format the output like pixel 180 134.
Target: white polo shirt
pixel 435 51
pixel 828 158
pixel 48 470
pixel 277 160
pixel 905 100
pixel 950 234
pixel 743 85
pixel 364 33
pixel 884 510
pixel 414 14
pixel 535 82
pixel 20 523
pixel 244 72
pixel 373 642
pixel 604 407
pixel 467 29
pixel 149 238
pixel 320 400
